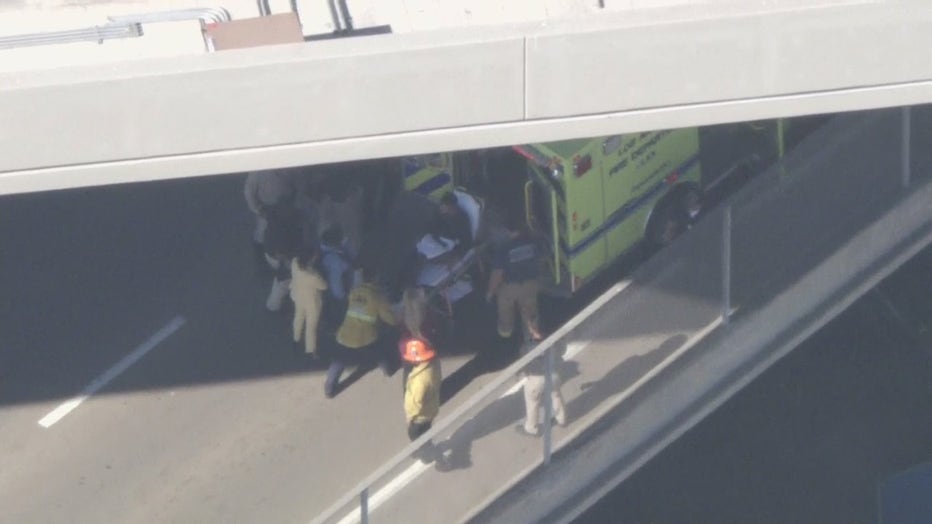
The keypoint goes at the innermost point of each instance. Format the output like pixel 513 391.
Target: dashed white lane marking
pixel 68 406
pixel 387 492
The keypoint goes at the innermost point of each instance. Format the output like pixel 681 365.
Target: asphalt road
pixel 215 419
pixel 811 440
pixel 219 421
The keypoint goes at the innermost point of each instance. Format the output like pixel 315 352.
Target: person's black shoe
pixel 387 369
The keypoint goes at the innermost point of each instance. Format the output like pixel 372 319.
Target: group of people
pixel 311 237
pixel 341 310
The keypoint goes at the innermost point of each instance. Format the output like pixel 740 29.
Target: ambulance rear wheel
pixel 665 225
pixel 672 216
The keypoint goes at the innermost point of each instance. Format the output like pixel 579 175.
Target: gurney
pixel 450 281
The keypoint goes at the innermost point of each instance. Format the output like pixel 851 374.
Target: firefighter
pixel 422 384
pixel 358 341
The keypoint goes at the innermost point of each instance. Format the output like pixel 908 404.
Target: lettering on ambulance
pixel 631 206
pixel 649 144
pixel 645 152
pixel 661 170
pixel 618 167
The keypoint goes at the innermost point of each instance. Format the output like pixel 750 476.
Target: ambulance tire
pixel 670 218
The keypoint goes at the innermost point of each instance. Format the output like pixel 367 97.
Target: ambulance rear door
pixel 575 175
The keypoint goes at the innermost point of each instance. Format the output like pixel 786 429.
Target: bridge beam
pixel 392 95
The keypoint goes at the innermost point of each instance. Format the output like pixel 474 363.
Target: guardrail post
pixel 548 404
pixel 904 150
pixel 726 265
pixel 364 506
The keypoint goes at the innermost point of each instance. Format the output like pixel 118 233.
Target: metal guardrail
pixel 545 349
pixel 97 34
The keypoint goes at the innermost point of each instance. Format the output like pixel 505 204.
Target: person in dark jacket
pixel 514 280
pixel 452 223
pixel 264 190
pixel 282 242
pixel 338 271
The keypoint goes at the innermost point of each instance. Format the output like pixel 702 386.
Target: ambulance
pixel 593 199
pixel 596 200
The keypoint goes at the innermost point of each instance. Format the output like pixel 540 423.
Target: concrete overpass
pixel 460 88
pixel 399 94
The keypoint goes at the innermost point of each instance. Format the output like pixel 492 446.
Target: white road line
pixel 66 407
pixel 389 490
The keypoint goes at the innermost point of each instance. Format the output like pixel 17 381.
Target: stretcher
pixel 449 280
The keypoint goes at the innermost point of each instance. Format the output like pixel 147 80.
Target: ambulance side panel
pixel 638 170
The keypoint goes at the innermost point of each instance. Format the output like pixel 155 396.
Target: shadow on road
pixel 622 376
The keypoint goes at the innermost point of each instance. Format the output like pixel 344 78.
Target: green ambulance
pixel 596 199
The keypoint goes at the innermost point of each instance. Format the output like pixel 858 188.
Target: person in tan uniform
pixel 422 385
pixel 534 384
pixel 358 340
pixel 307 287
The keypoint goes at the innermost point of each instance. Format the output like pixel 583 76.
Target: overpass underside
pixel 456 89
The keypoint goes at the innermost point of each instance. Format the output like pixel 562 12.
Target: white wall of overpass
pixel 456 89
